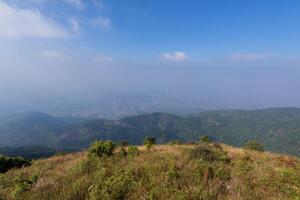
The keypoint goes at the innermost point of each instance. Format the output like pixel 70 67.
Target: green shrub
pixel 20 188
pixel 223 174
pixel 24 185
pixel 149 142
pixel 101 148
pixel 7 163
pixel 205 139
pixel 208 153
pixel 204 152
pixel 253 145
pixel 133 151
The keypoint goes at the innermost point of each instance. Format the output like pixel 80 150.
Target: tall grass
pixel 164 172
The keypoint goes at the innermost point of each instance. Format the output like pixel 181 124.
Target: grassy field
pixel 163 172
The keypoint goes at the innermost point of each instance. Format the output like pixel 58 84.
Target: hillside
pixel 163 172
pixel 277 129
pixel 31 129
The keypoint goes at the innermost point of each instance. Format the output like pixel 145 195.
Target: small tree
pixel 149 142
pixel 253 145
pixel 101 148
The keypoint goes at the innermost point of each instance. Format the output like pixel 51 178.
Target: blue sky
pixel 147 29
pixel 218 48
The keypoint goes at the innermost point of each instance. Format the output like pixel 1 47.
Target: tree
pixel 149 142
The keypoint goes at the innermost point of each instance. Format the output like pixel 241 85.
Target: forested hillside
pixel 277 129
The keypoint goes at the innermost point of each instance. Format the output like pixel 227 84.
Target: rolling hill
pixel 278 129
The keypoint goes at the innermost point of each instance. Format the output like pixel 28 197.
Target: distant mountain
pixel 277 129
pixel 31 129
pixel 29 152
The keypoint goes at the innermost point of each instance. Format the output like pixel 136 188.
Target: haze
pixel 115 58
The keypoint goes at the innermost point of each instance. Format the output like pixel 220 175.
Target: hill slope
pixel 165 172
pixel 28 129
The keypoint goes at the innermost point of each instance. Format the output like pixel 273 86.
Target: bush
pixel 208 153
pixel 133 151
pixel 253 145
pixel 101 148
pixel 205 139
pixel 7 163
pixel 149 142
pixel 24 185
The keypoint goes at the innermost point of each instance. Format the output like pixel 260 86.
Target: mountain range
pixel 278 129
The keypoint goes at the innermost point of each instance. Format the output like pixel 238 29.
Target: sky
pixel 241 54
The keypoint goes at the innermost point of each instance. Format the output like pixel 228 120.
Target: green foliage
pixel 277 129
pixel 7 163
pixel 23 185
pixel 209 153
pixel 149 142
pixel 133 151
pixel 101 148
pixel 205 139
pixel 253 145
pixel 223 174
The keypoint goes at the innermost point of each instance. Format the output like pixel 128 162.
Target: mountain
pixel 278 129
pixel 210 172
pixel 31 129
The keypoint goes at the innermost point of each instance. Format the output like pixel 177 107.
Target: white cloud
pixel 249 56
pixel 175 56
pixel 74 25
pixel 75 3
pixel 102 22
pixel 103 59
pixel 50 54
pixel 16 22
pixel 98 4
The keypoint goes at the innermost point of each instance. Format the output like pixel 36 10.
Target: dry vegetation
pixel 163 172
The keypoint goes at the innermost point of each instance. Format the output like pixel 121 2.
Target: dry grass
pixel 163 172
